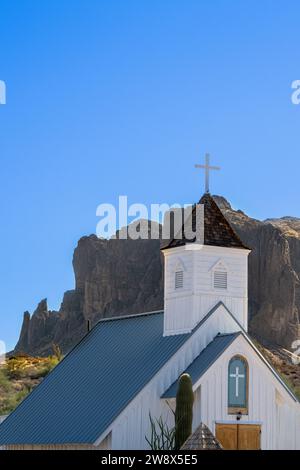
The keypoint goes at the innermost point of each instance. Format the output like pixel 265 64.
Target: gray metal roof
pixel 89 388
pixel 81 397
pixel 211 353
pixel 205 359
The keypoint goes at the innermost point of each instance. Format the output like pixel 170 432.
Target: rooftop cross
pixel 207 168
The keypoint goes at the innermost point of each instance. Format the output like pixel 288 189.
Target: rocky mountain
pixel 112 277
pixel 121 277
pixel 274 274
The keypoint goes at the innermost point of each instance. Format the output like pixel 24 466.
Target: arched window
pixel 238 385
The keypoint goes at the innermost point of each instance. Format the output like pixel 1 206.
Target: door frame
pixel 241 421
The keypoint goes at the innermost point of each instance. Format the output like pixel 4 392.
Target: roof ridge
pixel 127 316
pixel 209 361
pixel 228 222
pixel 248 338
pixel 269 365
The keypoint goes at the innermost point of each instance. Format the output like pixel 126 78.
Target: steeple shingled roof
pixel 217 230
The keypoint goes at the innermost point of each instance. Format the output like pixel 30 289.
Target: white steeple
pixel 200 275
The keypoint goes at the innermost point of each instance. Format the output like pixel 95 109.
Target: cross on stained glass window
pixel 237 383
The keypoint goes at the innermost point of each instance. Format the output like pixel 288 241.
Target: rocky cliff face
pixel 121 277
pixel 274 274
pixel 113 277
pixel 118 277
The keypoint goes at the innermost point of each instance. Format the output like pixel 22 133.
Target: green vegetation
pixel 20 374
pixel 184 410
pixel 290 384
pixel 57 352
pixel 162 437
pixel 289 372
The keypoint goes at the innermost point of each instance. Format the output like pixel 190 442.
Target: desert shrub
pixel 162 436
pixel 15 368
pixel 289 383
pixel 57 352
pixel 5 384
pixel 12 400
pixel 19 375
pixel 49 364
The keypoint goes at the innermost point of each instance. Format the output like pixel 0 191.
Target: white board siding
pixel 132 425
pixel 269 402
pixel 184 308
pixel 280 423
pixel 196 408
pixel 104 445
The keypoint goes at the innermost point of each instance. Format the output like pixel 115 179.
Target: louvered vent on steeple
pixel 179 280
pixel 220 280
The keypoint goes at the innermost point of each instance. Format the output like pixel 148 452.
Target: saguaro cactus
pixel 184 410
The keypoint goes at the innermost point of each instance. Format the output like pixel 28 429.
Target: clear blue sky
pixel 123 97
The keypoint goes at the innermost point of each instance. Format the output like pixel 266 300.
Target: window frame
pixel 233 410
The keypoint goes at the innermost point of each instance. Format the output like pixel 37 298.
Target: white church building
pixel 101 394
